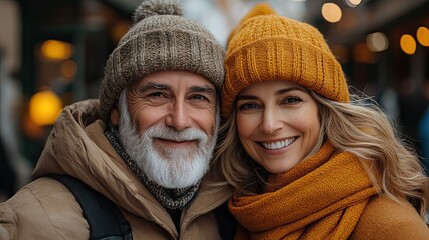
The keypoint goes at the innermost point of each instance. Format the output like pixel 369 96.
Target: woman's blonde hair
pixel 360 127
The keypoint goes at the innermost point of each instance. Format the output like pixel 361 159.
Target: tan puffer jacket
pixel 45 209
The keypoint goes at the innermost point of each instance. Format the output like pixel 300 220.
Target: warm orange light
pixel 423 36
pixel 408 44
pixel 68 68
pixel 45 106
pixel 362 54
pixel 30 129
pixel 119 30
pixel 331 12
pixel 56 50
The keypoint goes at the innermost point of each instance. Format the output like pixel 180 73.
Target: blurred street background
pixel 53 52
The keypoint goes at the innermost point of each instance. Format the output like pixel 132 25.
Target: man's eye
pixel 157 97
pixel 156 94
pixel 199 97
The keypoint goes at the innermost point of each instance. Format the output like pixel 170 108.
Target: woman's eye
pixel 290 100
pixel 248 106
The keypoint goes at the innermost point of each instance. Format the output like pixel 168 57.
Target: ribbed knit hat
pixel 267 46
pixel 160 39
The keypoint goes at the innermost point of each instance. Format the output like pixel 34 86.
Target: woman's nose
pixel 271 121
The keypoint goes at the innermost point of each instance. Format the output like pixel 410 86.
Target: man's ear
pixel 115 115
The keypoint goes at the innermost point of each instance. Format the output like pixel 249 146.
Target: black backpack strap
pixel 105 219
pixel 225 221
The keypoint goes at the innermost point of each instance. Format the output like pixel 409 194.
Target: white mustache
pixel 189 134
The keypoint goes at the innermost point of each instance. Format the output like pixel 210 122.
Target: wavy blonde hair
pixel 360 127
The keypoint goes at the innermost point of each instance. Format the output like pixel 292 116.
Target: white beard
pixel 168 167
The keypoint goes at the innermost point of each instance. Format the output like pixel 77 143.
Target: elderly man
pixel 146 144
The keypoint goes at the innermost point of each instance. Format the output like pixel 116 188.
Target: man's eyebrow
pixel 161 86
pixel 203 89
pixel 153 85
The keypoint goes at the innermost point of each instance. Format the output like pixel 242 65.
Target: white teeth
pixel 279 144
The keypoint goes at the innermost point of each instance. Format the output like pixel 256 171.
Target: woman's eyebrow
pixel 285 90
pixel 279 92
pixel 246 97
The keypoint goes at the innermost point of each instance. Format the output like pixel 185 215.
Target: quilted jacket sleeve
pixel 44 209
pixel 7 222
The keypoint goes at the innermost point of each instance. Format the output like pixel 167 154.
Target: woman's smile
pixel 275 145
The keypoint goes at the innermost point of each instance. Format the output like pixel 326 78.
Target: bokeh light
pixel 45 106
pixel 408 44
pixel 352 3
pixel 68 68
pixel 377 42
pixel 119 30
pixel 331 12
pixel 423 36
pixel 56 50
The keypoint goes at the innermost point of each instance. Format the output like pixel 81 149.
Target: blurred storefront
pixel 383 46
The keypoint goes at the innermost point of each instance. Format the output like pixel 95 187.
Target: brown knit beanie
pixel 160 39
pixel 267 46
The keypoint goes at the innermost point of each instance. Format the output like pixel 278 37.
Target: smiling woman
pixel 307 159
pixel 277 124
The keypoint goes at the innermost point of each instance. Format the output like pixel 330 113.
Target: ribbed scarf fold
pixel 177 198
pixel 322 197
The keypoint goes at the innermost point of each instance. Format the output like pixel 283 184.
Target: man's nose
pixel 178 116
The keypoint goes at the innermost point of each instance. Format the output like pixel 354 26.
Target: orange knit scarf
pixel 322 197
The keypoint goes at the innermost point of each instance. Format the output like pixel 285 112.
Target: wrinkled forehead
pixel 176 80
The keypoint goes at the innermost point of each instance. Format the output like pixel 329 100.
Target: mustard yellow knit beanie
pixel 267 46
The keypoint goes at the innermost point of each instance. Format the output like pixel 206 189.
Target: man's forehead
pixel 190 82
pixel 168 86
pixel 176 75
